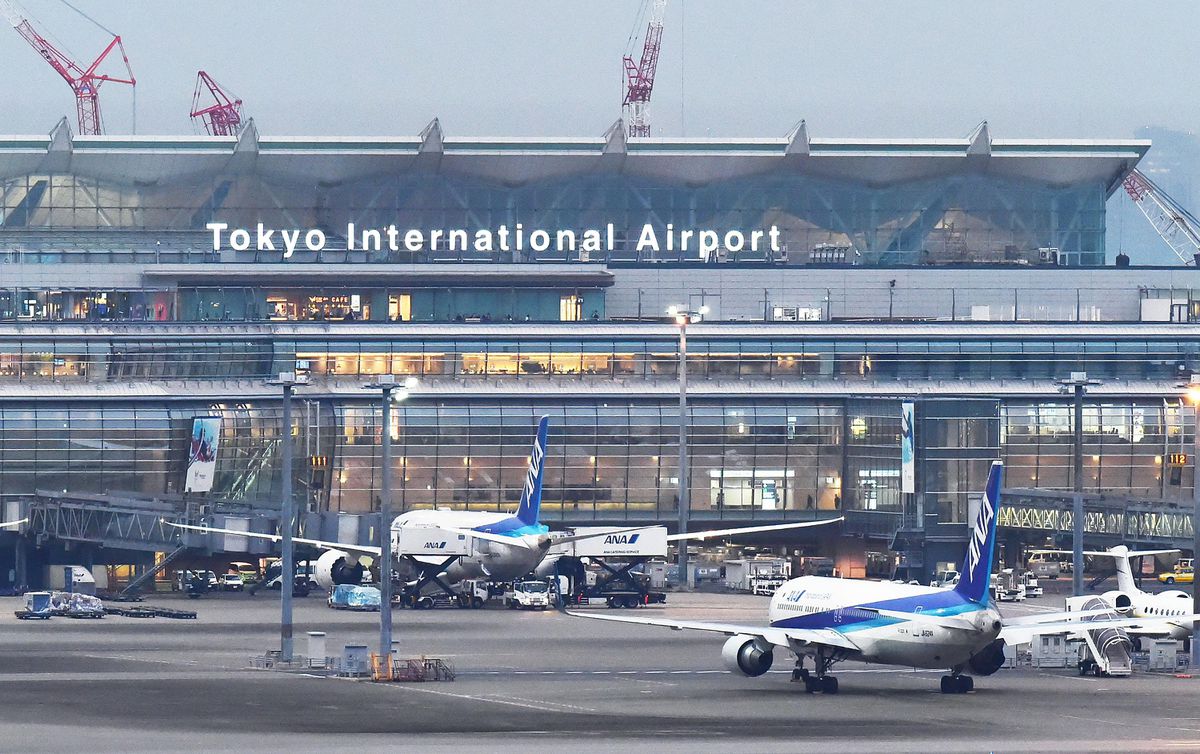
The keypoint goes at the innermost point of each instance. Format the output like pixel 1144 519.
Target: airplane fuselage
pixel 1164 604
pixel 491 560
pixel 848 607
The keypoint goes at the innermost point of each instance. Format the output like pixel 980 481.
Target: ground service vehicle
pixel 528 595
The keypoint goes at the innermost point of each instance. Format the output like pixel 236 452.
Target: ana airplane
pixel 503 546
pixel 1129 600
pixel 831 620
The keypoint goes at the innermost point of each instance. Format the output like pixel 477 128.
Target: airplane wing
pixel 18 522
pixel 558 538
pixel 359 549
pixel 488 536
pixel 1020 634
pixel 750 529
pixel 1111 554
pixel 783 637
pixel 1030 620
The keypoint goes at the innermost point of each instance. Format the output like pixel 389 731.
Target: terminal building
pixel 967 276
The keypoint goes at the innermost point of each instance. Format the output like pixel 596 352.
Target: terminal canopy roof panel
pixel 888 200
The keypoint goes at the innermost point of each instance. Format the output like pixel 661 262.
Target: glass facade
pixel 607 352
pixel 607 460
pixel 963 216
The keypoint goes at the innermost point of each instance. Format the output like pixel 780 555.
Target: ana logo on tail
pixel 531 494
pixel 535 465
pixel 980 533
pixel 973 582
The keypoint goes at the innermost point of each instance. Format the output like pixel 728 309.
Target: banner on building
pixel 202 457
pixel 908 471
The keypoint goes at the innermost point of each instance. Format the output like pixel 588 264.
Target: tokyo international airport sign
pixel 202 455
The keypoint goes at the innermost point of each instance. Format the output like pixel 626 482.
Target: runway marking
pixel 703 671
pixel 553 704
pixel 1155 725
pixel 645 680
pixel 509 701
pixel 133 658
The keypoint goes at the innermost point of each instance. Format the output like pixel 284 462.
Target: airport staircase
pixel 148 577
pixel 1111 648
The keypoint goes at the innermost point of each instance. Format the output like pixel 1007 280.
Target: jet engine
pixel 336 567
pixel 989 659
pixel 747 655
pixel 1119 601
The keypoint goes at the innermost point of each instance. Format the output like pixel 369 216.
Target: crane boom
pixel 1174 224
pixel 639 75
pixel 84 82
pixel 224 116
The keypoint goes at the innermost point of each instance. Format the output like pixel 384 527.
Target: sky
pixel 851 68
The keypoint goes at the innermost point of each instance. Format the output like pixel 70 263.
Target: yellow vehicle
pixel 1182 576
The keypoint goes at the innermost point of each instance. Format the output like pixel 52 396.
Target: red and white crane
pixel 84 80
pixel 1178 227
pixel 224 116
pixel 639 74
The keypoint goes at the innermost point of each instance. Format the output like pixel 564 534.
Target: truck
pixel 1008 586
pixel 612 566
pixel 472 593
pixel 529 594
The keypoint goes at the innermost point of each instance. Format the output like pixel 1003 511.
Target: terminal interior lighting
pixel 1191 390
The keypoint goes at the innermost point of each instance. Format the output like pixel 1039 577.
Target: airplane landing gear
pixel 822 681
pixel 957 684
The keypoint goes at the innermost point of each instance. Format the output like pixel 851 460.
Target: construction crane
pixel 224 116
pixel 1178 227
pixel 639 75
pixel 84 81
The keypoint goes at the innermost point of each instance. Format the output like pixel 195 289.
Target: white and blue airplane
pixel 504 546
pixel 830 620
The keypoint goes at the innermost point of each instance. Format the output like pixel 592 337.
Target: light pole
pixel 684 317
pixel 390 391
pixel 287 525
pixel 1192 394
pixel 1077 385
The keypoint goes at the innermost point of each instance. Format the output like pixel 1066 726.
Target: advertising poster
pixel 908 472
pixel 202 455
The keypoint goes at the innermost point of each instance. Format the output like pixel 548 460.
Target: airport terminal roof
pixel 518 161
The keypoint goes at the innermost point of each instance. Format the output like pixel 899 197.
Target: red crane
pixel 639 75
pixel 224 116
pixel 84 81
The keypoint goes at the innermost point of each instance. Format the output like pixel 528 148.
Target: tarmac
pixel 530 681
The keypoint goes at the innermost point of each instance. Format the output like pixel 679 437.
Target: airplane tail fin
pixel 1123 555
pixel 975 576
pixel 531 495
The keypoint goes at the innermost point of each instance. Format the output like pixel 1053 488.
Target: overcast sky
pixel 1032 68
